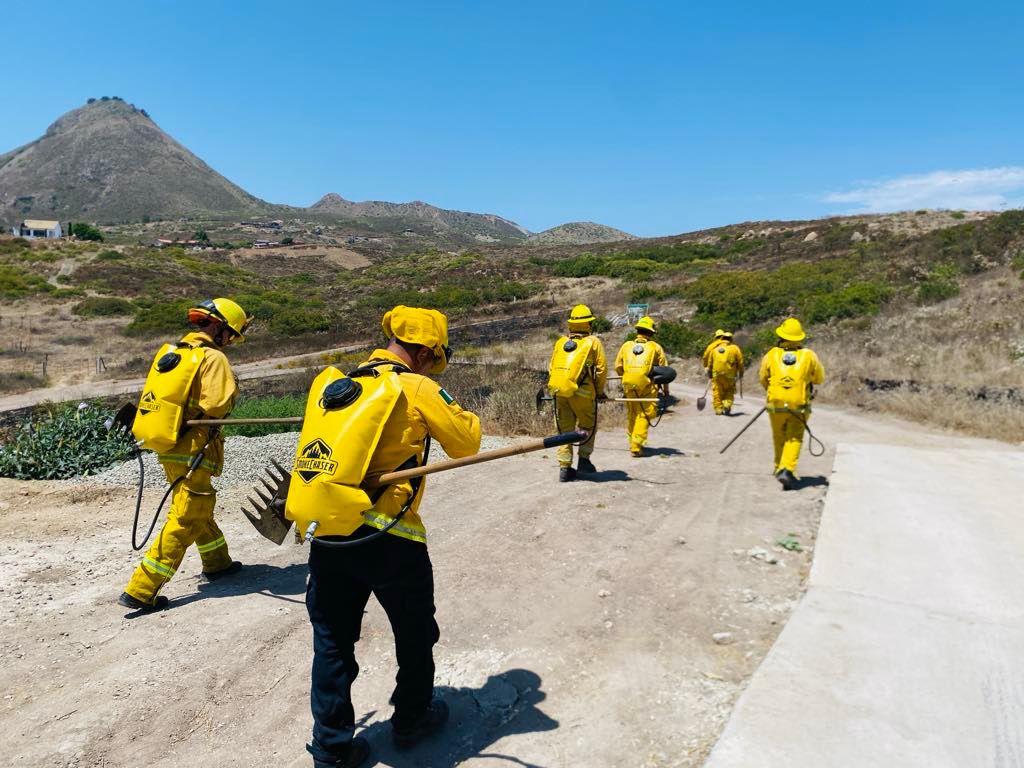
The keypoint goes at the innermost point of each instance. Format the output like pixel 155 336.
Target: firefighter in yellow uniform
pixel 788 374
pixel 393 565
pixel 215 323
pixel 723 361
pixel 633 363
pixel 577 375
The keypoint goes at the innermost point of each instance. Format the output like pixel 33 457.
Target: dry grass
pixel 957 365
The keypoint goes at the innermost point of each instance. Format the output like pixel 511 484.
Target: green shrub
pixel 681 338
pixel 957 214
pixel 84 231
pixel 16 283
pixel 109 256
pixel 14 245
pixel 267 408
pixel 103 306
pixel 19 381
pixel 601 324
pixel 584 265
pixel 940 284
pixel 67 441
pixel 159 319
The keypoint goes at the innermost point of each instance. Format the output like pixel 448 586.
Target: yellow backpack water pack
pixel 722 362
pixel 342 426
pixel 161 409
pixel 567 363
pixel 636 365
pixel 788 383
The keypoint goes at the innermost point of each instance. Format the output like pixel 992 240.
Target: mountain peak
pixel 108 161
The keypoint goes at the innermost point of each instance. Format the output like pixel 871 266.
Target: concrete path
pixel 907 648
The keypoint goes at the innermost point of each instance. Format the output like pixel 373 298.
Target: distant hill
pixel 109 162
pixel 423 218
pixel 581 233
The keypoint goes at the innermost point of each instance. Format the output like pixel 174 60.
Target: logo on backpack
pixel 149 403
pixel 315 460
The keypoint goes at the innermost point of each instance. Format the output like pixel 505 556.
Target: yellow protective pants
pixel 189 521
pixel 571 413
pixel 639 417
pixel 788 434
pixel 723 390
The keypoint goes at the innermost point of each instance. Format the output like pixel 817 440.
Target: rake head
pixel 267 516
pixel 120 424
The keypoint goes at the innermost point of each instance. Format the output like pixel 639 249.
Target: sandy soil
pixel 576 620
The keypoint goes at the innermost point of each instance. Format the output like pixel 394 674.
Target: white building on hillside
pixel 38 228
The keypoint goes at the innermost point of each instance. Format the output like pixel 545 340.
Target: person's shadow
pixel 604 476
pixel 663 451
pixel 810 481
pixel 504 705
pixel 280 583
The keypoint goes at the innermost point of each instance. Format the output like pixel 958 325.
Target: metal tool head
pixel 542 398
pixel 120 424
pixel 267 516
pixel 701 403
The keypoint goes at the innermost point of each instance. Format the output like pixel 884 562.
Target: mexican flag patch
pixel 446 397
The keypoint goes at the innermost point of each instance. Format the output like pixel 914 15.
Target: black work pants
pixel 399 573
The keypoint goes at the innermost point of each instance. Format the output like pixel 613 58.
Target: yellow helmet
pixel 225 311
pixel 645 324
pixel 791 330
pixel 719 333
pixel 426 327
pixel 581 315
pixel 727 334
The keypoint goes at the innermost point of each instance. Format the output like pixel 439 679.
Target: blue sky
pixel 657 117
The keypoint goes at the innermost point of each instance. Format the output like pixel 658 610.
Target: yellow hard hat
pixel 645 324
pixel 426 327
pixel 791 330
pixel 727 334
pixel 581 314
pixel 719 333
pixel 224 310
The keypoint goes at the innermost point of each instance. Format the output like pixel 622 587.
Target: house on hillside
pixel 38 228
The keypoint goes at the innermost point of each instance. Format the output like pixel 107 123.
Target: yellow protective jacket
pixel 723 358
pixel 424 409
pixel 787 374
pixel 595 369
pixel 212 395
pixel 657 356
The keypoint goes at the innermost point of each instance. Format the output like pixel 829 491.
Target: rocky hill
pixel 422 218
pixel 581 233
pixel 108 162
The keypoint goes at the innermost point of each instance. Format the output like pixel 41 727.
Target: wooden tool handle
pixel 498 453
pixel 216 422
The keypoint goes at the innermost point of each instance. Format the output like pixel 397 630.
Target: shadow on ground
pixel 281 583
pixel 811 481
pixel 605 476
pixel 503 706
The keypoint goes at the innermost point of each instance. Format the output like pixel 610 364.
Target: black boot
pixel 585 466
pixel 158 604
pixel 358 751
pixel 566 474
pixel 235 567
pixel 429 723
pixel 787 479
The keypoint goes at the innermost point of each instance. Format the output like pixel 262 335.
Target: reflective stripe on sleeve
pixel 380 522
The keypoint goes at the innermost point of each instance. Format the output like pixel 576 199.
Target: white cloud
pixel 986 189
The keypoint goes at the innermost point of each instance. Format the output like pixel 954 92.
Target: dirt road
pixel 577 619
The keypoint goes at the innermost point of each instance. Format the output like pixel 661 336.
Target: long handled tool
pixel 745 428
pixel 702 401
pixel 542 398
pixel 226 422
pixel 268 517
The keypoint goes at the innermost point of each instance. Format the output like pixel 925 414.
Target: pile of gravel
pixel 245 460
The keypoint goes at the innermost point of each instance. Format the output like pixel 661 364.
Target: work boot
pixel 727 410
pixel 358 751
pixel 566 474
pixel 585 466
pixel 787 479
pixel 235 567
pixel 158 604
pixel 429 723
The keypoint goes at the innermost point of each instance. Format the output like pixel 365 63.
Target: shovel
pixel 542 398
pixel 702 401
pixel 268 517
